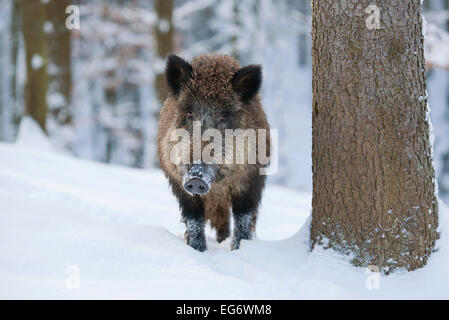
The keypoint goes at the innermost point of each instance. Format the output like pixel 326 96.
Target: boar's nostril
pixel 196 186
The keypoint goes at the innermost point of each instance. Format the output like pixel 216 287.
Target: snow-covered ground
pixel 77 229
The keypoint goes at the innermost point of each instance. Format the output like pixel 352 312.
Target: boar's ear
pixel 177 73
pixel 247 81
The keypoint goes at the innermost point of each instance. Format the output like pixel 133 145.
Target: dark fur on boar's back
pixel 215 90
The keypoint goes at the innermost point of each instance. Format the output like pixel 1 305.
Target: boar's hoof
pixel 235 245
pixel 197 243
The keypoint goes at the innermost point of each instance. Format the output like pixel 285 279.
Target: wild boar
pixel 214 92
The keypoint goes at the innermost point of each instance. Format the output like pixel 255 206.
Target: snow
pixel 437 46
pixel 31 135
pixel 163 26
pixel 36 61
pixel 48 27
pixel 72 229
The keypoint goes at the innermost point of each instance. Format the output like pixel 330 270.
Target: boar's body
pixel 217 92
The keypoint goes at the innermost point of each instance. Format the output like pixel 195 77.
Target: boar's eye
pixel 189 115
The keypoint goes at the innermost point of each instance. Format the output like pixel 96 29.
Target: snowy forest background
pixel 104 96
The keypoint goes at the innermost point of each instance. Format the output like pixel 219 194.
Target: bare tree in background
pixel 237 28
pixel 59 52
pixel 33 18
pixel 164 39
pixel 373 179
pixel 16 29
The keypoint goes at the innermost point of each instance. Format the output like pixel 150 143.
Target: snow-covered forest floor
pixel 117 231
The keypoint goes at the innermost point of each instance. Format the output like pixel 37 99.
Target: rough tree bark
pixel 373 178
pixel 164 40
pixel 33 18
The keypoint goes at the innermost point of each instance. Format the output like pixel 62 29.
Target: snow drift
pixel 74 229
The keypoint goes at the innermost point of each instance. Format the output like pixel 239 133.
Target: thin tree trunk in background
pixel 446 7
pixel 164 39
pixel 33 18
pixel 237 25
pixel 304 51
pixel 16 28
pixel 373 179
pixel 111 99
pixel 59 52
pixel 4 62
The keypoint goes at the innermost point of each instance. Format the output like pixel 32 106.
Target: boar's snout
pixel 198 178
pixel 196 186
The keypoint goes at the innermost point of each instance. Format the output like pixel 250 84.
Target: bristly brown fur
pixel 211 86
pixel 212 75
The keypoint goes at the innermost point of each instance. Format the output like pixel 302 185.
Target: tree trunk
pixel 373 178
pixel 5 61
pixel 446 2
pixel 59 52
pixel 16 47
pixel 33 17
pixel 237 27
pixel 164 39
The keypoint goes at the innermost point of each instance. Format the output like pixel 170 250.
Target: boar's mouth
pixel 198 178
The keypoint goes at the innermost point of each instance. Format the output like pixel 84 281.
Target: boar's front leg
pixel 192 210
pixel 242 228
pixel 193 216
pixel 244 209
pixel 195 234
